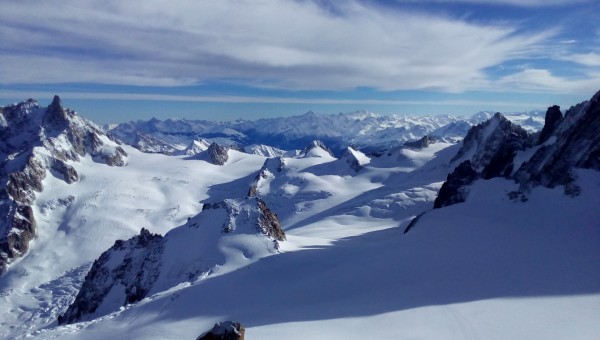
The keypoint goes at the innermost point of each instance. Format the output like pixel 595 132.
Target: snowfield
pixel 364 255
pixel 485 269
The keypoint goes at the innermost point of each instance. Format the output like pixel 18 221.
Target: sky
pixel 115 60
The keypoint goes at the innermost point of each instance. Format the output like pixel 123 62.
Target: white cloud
pixel 268 43
pixel 519 3
pixel 252 100
pixel 588 59
pixel 544 81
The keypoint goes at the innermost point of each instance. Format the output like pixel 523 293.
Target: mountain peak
pixel 316 148
pixel 56 101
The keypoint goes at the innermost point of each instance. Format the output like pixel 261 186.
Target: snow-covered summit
pixel 316 148
pixel 363 129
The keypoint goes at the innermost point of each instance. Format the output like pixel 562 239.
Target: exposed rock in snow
pixel 354 158
pixel 33 141
pixel 131 266
pixel 267 171
pixel 146 264
pixel 577 144
pixel 489 150
pixel 226 330
pixel 491 146
pixel 421 143
pixel 455 189
pixel 217 154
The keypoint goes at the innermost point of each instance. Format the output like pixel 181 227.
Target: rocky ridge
pixel 35 141
pixel 148 263
pixel 499 148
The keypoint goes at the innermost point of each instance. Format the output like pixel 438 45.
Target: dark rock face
pixel 217 154
pixel 138 263
pixel 454 190
pixel 493 145
pixel 563 144
pixel 33 141
pixel 268 222
pixel 226 330
pixel 488 151
pixel 421 143
pixel 577 145
pixel 551 122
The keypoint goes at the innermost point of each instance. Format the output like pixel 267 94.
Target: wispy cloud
pixel 519 3
pixel 543 80
pixel 266 43
pixel 257 99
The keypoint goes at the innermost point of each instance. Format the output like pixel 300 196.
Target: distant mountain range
pixel 362 130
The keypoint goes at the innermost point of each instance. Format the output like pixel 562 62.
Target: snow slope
pixel 491 267
pixel 77 222
pixel 484 269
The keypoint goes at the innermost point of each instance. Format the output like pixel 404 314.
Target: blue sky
pixel 115 61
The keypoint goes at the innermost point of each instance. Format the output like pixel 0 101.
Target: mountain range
pixel 365 130
pixel 314 226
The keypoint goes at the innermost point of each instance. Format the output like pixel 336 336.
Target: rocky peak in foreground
pixel 148 263
pixel 498 148
pixel 35 141
pixel 226 330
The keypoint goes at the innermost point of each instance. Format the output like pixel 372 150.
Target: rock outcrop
pixel 552 120
pixel 490 150
pixel 217 154
pixel 253 209
pixel 34 141
pixel 226 330
pixel 355 159
pixel 147 264
pixel 422 143
pixel 138 263
pixel 455 189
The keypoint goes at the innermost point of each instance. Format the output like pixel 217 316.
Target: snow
pixel 488 268
pixel 435 282
pixel 154 191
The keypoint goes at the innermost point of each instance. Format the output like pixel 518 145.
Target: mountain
pixel 35 142
pixel 309 245
pixel 149 263
pixel 499 148
pixel 364 130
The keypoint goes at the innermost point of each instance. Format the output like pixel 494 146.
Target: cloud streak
pixel 295 45
pixel 256 100
pixel 518 3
